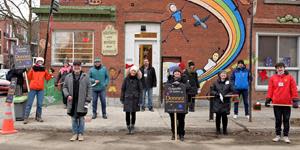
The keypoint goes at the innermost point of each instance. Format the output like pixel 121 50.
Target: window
pixel 273 48
pixel 72 46
pixel 282 1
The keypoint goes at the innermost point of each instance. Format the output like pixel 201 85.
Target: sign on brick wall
pixel 110 41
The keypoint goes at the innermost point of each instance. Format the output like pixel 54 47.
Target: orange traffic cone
pixel 8 122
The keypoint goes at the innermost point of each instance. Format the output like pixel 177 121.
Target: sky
pixel 23 7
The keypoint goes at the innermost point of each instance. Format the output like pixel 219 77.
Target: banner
pixel 22 57
pixel 175 98
pixel 52 94
pixel 11 90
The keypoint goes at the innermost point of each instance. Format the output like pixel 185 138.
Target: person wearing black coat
pixel 131 94
pixel 193 81
pixel 221 104
pixel 177 79
pixel 149 82
pixel 17 73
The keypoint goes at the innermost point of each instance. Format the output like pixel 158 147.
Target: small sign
pixel 175 98
pixel 11 90
pixel 22 57
pixel 110 41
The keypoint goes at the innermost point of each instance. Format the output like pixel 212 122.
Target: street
pixel 143 141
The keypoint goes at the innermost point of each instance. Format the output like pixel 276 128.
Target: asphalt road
pixel 143 141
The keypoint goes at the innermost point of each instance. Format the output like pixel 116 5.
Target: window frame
pixel 297 2
pixel 73 46
pixel 276 34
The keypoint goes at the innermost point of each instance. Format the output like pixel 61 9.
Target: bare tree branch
pixel 19 10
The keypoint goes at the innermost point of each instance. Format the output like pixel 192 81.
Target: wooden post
pixel 175 123
pixel 27 83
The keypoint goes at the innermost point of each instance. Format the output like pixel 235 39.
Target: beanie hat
pixel 135 68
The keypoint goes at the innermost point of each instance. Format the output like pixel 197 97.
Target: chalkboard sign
pixel 175 98
pixel 22 57
pixel 11 90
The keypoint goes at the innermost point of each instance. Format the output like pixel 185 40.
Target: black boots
pixel 131 129
pixel 94 116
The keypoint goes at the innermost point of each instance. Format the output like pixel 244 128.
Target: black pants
pixel 224 118
pixel 131 115
pixel 191 102
pixel 180 123
pixel 282 114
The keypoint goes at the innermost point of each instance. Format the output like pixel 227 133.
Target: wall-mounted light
pixel 143 28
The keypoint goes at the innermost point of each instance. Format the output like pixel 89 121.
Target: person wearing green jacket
pixel 99 79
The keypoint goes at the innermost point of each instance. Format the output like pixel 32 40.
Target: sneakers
pixel 276 139
pixel 80 137
pixel 74 138
pixel 235 116
pixel 129 129
pixel 286 139
pixel 181 138
pixel 39 119
pixel 151 109
pixel 248 117
pixel 132 129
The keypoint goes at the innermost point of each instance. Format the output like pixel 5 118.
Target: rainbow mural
pixel 226 12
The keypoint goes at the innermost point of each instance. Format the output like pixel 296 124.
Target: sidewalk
pixel 56 119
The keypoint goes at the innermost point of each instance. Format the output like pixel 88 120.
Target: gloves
pixel 51 70
pixel 221 97
pixel 268 101
pixel 295 103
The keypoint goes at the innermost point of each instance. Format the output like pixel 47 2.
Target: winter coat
pixel 193 81
pixel 225 88
pixel 16 73
pixel 36 76
pixel 101 75
pixel 84 95
pixel 131 93
pixel 149 79
pixel 282 89
pixel 241 78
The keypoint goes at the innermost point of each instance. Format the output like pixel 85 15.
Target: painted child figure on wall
pixel 177 16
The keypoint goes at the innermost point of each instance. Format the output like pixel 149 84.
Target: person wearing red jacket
pixel 36 75
pixel 282 90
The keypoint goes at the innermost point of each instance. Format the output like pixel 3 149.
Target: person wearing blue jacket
pixel 241 78
pixel 99 79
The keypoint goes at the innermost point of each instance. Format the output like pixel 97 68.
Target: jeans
pixel 180 125
pixel 78 125
pixel 102 95
pixel 132 120
pixel 224 118
pixel 244 94
pixel 149 93
pixel 31 95
pixel 282 114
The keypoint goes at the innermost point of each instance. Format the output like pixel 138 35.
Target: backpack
pixel 241 80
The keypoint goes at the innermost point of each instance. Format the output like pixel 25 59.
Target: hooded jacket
pixel 36 76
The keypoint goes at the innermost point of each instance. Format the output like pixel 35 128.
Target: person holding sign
pixel 36 75
pixel 131 96
pixel 282 92
pixel 177 80
pixel 220 103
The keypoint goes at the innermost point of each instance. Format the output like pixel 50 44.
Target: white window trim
pixel 52 47
pixel 265 87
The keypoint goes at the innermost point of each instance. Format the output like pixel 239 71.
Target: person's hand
pixel 268 101
pixel 295 103
pixel 52 70
pixel 97 81
pixel 70 98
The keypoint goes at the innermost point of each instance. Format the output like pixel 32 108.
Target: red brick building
pixel 125 31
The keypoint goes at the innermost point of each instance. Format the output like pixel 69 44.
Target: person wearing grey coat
pixel 77 88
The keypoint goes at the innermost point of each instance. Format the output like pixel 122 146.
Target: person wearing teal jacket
pixel 99 79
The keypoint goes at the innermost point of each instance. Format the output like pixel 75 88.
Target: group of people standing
pixel 79 89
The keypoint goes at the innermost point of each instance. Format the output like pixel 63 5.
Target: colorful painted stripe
pixel 233 23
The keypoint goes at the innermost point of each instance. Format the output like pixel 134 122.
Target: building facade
pixel 214 34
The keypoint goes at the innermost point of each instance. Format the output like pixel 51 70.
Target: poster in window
pixel 110 41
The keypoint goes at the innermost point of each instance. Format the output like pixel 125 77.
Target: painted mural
pixel 227 12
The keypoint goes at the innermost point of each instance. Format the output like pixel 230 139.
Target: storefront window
pixel 274 48
pixel 72 46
